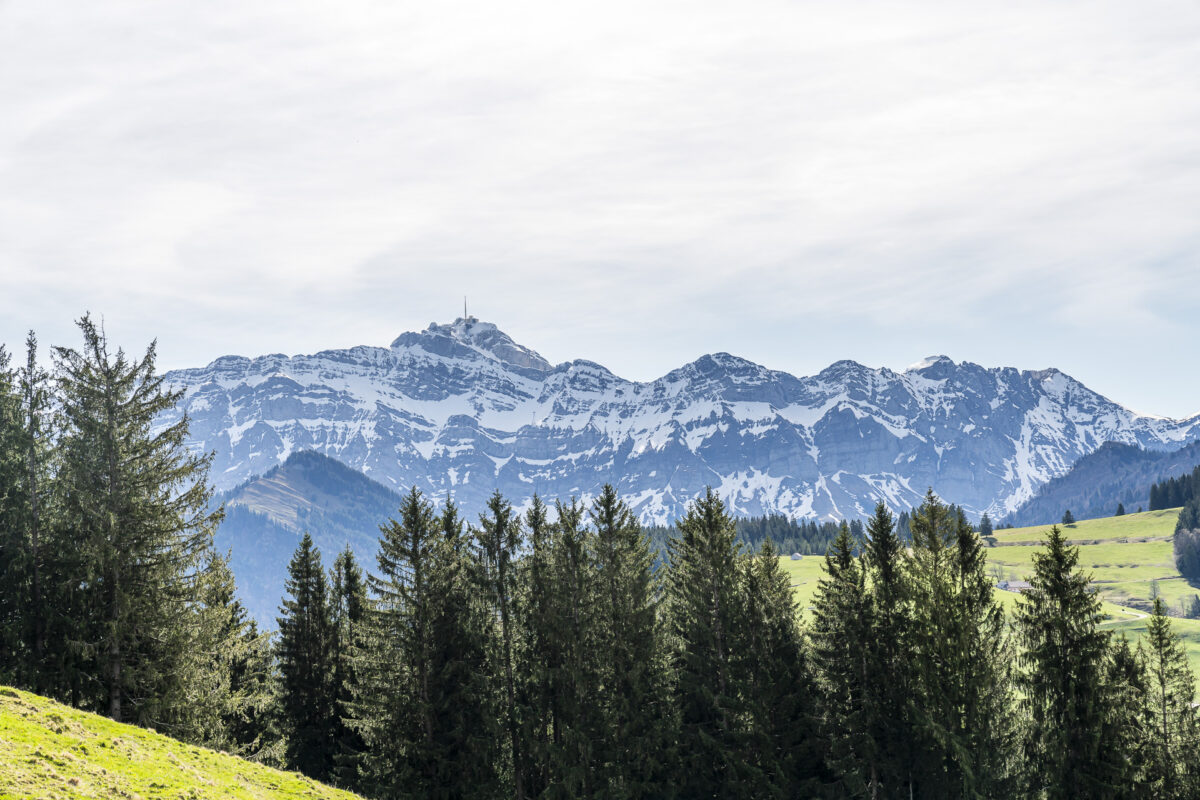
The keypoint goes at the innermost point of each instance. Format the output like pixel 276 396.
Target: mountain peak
pixel 930 361
pixel 482 336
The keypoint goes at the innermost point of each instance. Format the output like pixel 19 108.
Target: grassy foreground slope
pixel 50 751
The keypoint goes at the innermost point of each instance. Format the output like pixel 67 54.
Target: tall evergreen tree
pixel 538 655
pixel 304 650
pixel 841 639
pixel 465 745
pixel 577 726
pixel 13 596
pixel 45 556
pixel 500 538
pixel 981 676
pixel 1065 694
pixel 632 671
pixel 1127 722
pixel 780 693
pixel 890 657
pixel 400 724
pixel 705 608
pixel 1173 732
pixel 135 499
pixel 985 526
pixel 349 607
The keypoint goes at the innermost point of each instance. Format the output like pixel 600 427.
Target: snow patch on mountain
pixel 461 409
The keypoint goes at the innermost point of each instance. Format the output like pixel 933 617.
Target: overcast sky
pixel 637 183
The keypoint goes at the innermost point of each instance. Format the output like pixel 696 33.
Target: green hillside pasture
pixel 804 574
pixel 1148 524
pixel 1188 631
pixel 52 752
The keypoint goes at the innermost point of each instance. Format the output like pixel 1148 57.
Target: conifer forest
pixel 547 647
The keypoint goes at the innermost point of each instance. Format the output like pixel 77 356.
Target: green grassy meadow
pixel 1125 557
pixel 49 751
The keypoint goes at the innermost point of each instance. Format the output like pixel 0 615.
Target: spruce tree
pixel 500 538
pixel 890 656
pixel 985 526
pixel 577 726
pixel 632 670
pixel 349 607
pixel 400 726
pixel 1128 720
pixel 45 557
pixel 463 697
pixel 841 634
pixel 1120 510
pixel 781 694
pixel 1064 692
pixel 981 676
pixel 304 650
pixel 14 659
pixel 135 500
pixel 1173 731
pixel 705 611
pixel 538 656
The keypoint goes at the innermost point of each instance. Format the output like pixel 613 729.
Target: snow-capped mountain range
pixel 463 409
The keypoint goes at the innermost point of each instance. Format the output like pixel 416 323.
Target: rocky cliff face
pixel 462 409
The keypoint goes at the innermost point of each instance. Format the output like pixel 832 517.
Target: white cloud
pixel 796 182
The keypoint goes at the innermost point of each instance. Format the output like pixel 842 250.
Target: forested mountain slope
pixel 1100 481
pixel 265 516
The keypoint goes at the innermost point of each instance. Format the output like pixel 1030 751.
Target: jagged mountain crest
pixel 463 409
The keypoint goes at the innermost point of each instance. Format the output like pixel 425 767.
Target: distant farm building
pixel 796 556
pixel 1014 586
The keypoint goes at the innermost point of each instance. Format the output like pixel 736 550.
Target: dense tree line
pixel 1187 541
pixel 111 596
pixel 1175 492
pixel 541 653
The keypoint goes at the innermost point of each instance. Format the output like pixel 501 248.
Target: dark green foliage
pixel 985 526
pixel 135 501
pixel 349 607
pixel 705 610
pixel 1172 752
pixel 396 701
pixel 1068 518
pixel 1128 720
pixel 807 537
pixel 633 684
pixel 1120 510
pixel 783 738
pixel 1175 492
pixel 1186 547
pixel 1065 695
pixel 500 538
pixel 14 550
pixel 960 681
pixel 307 701
pixel 575 665
pixel 842 630
pixel 890 655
